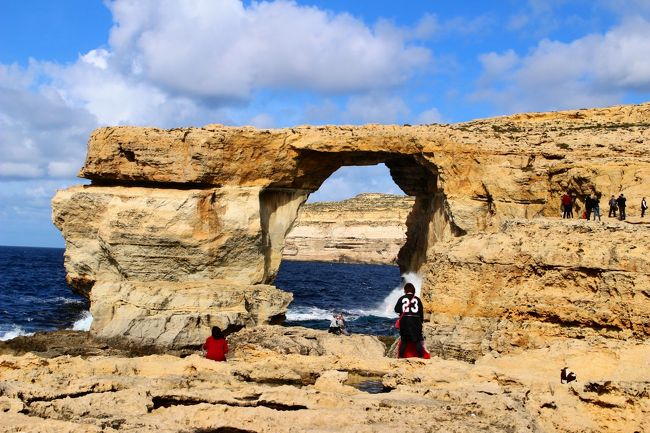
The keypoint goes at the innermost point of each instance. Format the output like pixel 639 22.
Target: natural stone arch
pixel 180 229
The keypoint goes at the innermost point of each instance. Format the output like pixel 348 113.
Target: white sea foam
pixel 383 309
pixel 15 331
pixel 83 324
pixel 308 313
pixel 64 300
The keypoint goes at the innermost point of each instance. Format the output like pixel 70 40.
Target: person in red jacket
pixel 216 345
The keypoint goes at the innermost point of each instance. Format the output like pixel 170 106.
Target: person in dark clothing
pixel 620 201
pixel 595 205
pixel 566 206
pixel 589 205
pixel 411 311
pixel 216 345
pixel 644 207
pixel 613 207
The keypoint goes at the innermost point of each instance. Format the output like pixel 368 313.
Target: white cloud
pixel 37 125
pixel 220 51
pixel 20 169
pixel 594 70
pixel 65 169
pixel 262 120
pixel 375 108
pixel 432 115
pixel 347 182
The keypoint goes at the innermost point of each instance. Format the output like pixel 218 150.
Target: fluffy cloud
pixel 37 126
pixel 223 51
pixel 349 181
pixel 376 108
pixel 597 69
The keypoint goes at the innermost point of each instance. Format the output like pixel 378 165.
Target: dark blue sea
pixel 35 297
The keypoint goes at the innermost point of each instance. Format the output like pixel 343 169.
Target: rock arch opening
pixel 426 222
pixel 366 230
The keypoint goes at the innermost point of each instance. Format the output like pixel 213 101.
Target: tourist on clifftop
pixel 216 345
pixel 613 207
pixel 411 311
pixel 589 205
pixel 644 207
pixel 567 204
pixel 620 201
pixel 595 205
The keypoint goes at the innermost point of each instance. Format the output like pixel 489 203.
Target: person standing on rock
pixel 595 205
pixel 566 205
pixel 612 206
pixel 620 201
pixel 411 311
pixel 216 345
pixel 644 207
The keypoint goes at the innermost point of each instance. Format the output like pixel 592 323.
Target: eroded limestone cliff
pixel 175 221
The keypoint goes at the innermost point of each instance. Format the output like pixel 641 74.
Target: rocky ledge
pixel 297 380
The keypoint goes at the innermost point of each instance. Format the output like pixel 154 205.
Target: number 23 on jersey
pixel 409 305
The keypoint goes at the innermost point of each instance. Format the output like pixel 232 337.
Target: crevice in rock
pixel 126 183
pixel 172 400
pixel 166 401
pixel 222 430
pixel 30 400
pixel 277 381
pixel 280 406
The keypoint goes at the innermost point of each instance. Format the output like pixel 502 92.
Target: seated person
pixel 216 345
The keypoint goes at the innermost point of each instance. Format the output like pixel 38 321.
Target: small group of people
pixel 592 206
pixel 618 205
pixel 338 325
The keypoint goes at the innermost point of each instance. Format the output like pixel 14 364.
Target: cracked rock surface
pixel 265 388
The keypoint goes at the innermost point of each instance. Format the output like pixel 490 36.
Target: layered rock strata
pixel 532 282
pixel 369 228
pixel 212 206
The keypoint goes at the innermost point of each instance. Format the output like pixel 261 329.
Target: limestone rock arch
pixel 182 229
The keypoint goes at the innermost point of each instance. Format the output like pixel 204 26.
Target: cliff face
pixel 369 228
pixel 175 220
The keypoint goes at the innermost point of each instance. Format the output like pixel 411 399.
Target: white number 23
pixel 409 305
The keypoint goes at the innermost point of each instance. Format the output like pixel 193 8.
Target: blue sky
pixel 69 66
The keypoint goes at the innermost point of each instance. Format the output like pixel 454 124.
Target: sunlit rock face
pixel 214 204
pixel 369 228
